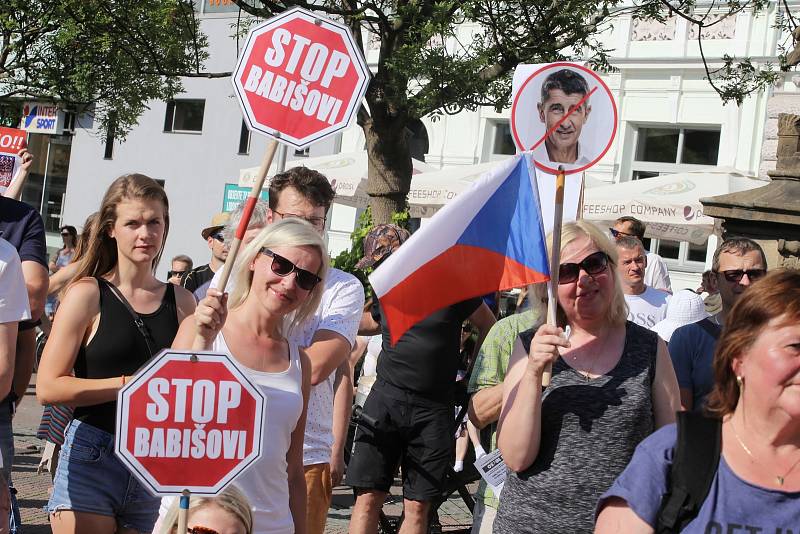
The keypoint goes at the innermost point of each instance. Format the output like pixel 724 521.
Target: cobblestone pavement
pixel 32 488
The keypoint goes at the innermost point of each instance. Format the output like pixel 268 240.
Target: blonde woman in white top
pixel 278 285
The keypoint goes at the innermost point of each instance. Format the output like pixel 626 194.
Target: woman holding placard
pixel 277 285
pixel 612 385
pixel 111 321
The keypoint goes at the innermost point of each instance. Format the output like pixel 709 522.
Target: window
pixel 662 150
pixel 184 116
pixel 503 141
pixel 670 150
pixel 302 153
pixel 498 143
pixel 244 139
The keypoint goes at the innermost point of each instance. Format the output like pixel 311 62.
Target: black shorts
pixel 411 429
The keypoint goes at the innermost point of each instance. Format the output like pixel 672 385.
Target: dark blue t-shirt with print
pixel 733 505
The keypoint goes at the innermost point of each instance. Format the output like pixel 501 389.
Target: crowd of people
pixel 648 389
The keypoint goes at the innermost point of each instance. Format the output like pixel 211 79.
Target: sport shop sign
pixel 189 421
pixel 300 78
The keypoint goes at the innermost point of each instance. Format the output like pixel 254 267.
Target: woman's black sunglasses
pixel 592 264
pixel 283 267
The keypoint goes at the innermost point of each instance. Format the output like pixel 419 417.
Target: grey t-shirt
pixel 732 505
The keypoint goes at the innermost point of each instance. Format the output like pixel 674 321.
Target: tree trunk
pixel 389 169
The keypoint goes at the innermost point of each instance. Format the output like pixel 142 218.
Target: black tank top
pixel 119 348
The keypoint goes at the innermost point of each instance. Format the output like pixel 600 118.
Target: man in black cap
pixel 408 415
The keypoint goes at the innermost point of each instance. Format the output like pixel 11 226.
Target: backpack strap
pixel 712 328
pixel 694 466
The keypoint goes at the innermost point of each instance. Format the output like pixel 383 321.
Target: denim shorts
pixel 91 479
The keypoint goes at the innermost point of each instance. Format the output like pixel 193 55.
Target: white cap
pixel 685 307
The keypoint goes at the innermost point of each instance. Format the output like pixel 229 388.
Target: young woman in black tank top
pixel 94 335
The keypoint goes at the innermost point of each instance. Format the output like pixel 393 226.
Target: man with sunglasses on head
pixel 216 243
pixel 656 274
pixel 646 306
pixel 737 263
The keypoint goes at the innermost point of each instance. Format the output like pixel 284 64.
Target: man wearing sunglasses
pixel 737 263
pixel 656 274
pixel 646 306
pixel 216 243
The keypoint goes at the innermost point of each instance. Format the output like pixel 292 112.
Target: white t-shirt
pixel 266 482
pixel 656 274
pixel 14 305
pixel 340 312
pixel 648 308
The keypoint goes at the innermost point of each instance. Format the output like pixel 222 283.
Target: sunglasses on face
pixel 201 530
pixel 736 275
pixel 283 267
pixel 592 264
pixel 219 236
pixel 616 234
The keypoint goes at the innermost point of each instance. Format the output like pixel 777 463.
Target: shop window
pixel 503 141
pixel 184 116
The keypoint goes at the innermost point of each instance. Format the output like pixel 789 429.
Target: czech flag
pixel 490 238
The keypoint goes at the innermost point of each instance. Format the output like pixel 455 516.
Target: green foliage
pixel 108 57
pixel 347 259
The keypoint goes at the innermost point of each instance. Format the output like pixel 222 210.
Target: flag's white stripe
pixel 444 229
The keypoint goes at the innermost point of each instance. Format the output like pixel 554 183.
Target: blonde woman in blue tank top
pixel 94 334
pixel 277 284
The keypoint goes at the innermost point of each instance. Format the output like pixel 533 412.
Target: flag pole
pixel 555 261
pixel 250 203
pixel 580 201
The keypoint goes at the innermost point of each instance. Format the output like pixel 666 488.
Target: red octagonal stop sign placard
pixel 300 77
pixel 189 420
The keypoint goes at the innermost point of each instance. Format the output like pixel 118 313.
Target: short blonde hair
pixel 232 500
pixel 291 232
pixel 618 310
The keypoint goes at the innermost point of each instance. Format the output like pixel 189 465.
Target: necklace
pixel 779 478
pixel 588 373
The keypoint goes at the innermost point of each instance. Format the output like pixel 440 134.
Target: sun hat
pixel 380 242
pixel 684 307
pixel 218 222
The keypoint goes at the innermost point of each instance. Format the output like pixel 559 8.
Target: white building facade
pixel 670 119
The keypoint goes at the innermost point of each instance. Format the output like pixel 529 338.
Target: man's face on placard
pixel 558 104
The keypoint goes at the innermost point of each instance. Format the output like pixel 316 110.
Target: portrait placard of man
pixel 561 95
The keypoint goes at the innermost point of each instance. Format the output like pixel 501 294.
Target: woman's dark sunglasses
pixel 201 530
pixel 592 264
pixel 283 267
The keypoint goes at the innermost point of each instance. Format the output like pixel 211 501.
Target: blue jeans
pixel 91 479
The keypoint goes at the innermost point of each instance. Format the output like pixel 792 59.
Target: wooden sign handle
pixel 555 261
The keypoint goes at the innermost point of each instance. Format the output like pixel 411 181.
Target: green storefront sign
pixel 235 195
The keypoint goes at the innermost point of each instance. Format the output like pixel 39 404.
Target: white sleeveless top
pixel 265 483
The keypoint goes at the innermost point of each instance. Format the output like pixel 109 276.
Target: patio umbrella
pixel 669 204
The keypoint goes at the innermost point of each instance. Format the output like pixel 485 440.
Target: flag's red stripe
pixel 459 273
